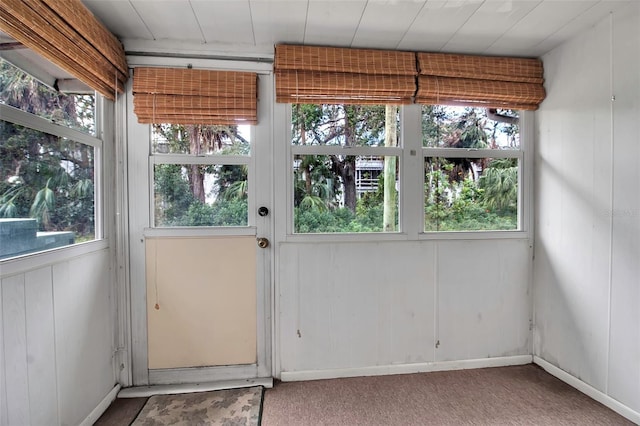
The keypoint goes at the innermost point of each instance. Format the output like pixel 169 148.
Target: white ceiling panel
pixel 544 20
pixel 333 23
pixel 169 19
pixel 488 24
pixel 246 27
pixel 120 17
pixel 437 22
pixel 218 26
pixel 583 21
pixel 276 21
pixel 384 23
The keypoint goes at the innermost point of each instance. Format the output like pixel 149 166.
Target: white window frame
pixel 204 160
pixel 411 154
pixel 376 151
pixel 18 117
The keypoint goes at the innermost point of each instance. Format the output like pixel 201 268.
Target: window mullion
pixel 412 176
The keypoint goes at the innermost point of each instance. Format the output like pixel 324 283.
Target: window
pixel 472 168
pixel 200 175
pixel 346 168
pixel 47 172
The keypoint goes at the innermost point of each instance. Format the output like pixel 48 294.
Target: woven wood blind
pixel 495 82
pixel 189 96
pixel 311 74
pixel 67 34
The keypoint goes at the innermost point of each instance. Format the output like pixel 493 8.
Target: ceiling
pixel 252 27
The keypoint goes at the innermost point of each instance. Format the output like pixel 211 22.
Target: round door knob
pixel 263 243
pixel 263 211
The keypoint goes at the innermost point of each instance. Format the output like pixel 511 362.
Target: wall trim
pixel 588 390
pixel 426 367
pixel 101 407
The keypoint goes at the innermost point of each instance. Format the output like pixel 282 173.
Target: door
pixel 200 252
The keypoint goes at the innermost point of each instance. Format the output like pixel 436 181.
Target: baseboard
pixel 102 407
pixel 146 391
pixel 588 390
pixel 381 370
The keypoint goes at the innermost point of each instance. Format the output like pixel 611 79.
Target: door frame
pixel 139 212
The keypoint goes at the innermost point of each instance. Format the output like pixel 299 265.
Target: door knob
pixel 263 211
pixel 263 243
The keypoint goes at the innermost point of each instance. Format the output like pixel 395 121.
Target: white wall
pixel 370 307
pixel 587 241
pixel 57 337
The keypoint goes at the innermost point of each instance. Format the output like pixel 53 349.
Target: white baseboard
pixel 588 390
pixel 381 370
pixel 146 391
pixel 102 407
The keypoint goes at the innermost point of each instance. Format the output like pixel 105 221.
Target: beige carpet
pixel 520 395
pixel 237 407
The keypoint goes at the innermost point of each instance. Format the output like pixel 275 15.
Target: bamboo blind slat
pixel 499 82
pixel 40 28
pixel 344 60
pixel 42 46
pixel 482 93
pixel 92 30
pixel 312 74
pixel 523 70
pixel 305 86
pixel 188 96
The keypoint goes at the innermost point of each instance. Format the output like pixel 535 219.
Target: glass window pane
pixel 334 194
pixel 200 195
pixel 201 140
pixel 469 128
pixel 470 194
pixel 24 92
pixel 341 125
pixel 46 191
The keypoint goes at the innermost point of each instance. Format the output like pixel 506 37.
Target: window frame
pixel 411 154
pixel 377 151
pixel 31 121
pixel 248 160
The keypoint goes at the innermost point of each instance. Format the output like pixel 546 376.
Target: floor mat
pixel 223 407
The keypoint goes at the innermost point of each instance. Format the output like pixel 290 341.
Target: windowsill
pixel 31 261
pixel 400 236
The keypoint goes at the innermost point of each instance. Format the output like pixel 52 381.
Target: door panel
pixel 201 301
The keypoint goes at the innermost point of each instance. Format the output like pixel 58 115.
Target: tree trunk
pixel 347 166
pixel 196 175
pixel 196 182
pixel 391 140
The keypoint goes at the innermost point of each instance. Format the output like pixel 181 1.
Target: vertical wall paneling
pixel 15 350
pixel 624 342
pixel 358 305
pixel 83 333
pixel 483 299
pixel 586 273
pixel 41 357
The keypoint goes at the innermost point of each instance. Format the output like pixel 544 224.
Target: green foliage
pixel 43 176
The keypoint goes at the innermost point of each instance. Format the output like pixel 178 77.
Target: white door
pixel 200 225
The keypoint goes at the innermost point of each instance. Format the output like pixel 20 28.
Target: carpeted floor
pixel 519 395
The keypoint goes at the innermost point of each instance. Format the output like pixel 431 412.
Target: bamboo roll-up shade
pixel 483 81
pixel 319 87
pixel 67 34
pixel 480 93
pixel 188 96
pixel 312 74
